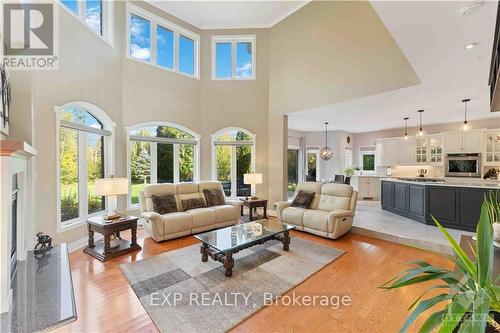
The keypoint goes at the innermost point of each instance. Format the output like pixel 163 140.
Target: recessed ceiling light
pixel 471 7
pixel 471 46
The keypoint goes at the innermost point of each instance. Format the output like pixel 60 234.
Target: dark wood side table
pixel 252 205
pixel 102 250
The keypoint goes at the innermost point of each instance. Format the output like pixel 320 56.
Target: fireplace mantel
pixel 16 148
pixel 15 159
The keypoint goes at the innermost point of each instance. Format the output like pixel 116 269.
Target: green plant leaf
pixel 480 311
pixel 420 279
pixel 441 286
pixel 432 321
pixel 465 263
pixel 484 246
pixel 421 307
pixel 456 310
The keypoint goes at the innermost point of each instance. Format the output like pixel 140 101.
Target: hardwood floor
pixel 106 302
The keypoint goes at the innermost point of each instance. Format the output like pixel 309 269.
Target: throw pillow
pixel 214 197
pixel 302 199
pixel 164 203
pixel 193 203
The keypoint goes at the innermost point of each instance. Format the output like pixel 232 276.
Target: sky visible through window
pixel 223 60
pixel 186 55
pixel 140 38
pixel 72 5
pixel 165 47
pixel 93 15
pixel 224 64
pixel 244 59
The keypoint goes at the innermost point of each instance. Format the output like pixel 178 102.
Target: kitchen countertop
pixel 43 297
pixel 477 183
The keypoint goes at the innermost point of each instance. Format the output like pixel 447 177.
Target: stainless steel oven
pixel 463 165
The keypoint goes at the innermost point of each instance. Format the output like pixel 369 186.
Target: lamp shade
pixel 252 178
pixel 111 186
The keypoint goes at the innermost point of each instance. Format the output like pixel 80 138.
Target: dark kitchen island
pixel 454 205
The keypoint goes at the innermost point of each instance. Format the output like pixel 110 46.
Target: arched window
pixel 160 153
pixel 233 155
pixel 84 154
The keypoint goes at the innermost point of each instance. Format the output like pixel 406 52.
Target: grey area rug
pixel 183 294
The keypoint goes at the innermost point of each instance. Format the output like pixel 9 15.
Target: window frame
pixel 109 162
pixel 314 150
pixel 233 39
pixel 367 151
pixel 153 154
pixel 107 20
pixel 299 164
pixel 233 144
pixel 176 29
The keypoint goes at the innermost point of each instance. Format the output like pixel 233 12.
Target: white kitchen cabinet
pixel 369 188
pixel 492 140
pixel 406 151
pixel 463 142
pixel 386 152
pixel 429 150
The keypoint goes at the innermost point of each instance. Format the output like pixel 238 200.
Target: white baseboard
pixel 82 242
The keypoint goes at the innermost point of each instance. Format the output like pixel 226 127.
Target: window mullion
pixel 176 163
pixel 153 28
pixel 233 59
pixel 233 172
pixel 176 51
pixel 82 6
pixel 82 174
pixel 153 163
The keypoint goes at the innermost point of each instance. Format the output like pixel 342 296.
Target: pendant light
pixel 406 127
pixel 326 153
pixel 466 125
pixel 421 131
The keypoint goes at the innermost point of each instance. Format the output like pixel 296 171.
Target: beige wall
pixel 230 103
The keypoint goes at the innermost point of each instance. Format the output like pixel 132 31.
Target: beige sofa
pixel 182 223
pixel 330 213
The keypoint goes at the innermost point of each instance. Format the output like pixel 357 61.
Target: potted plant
pixel 470 297
pixel 349 171
pixel 494 213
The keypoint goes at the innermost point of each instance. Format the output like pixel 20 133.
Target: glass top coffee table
pixel 221 244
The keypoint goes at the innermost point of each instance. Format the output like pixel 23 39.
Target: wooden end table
pixel 252 205
pixel 102 250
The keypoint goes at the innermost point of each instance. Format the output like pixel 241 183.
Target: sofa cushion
pixel 302 199
pixel 316 219
pixel 176 222
pixel 225 213
pixel 330 203
pixel 187 188
pixel 214 185
pixel 337 190
pixel 202 217
pixel 164 203
pixel 214 197
pixel 192 203
pixel 150 190
pixel 309 187
pixel 293 215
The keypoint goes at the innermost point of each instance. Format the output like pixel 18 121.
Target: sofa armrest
pixel 151 217
pixel 339 213
pixel 234 202
pixel 280 206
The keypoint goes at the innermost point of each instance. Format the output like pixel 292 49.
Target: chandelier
pixel 326 153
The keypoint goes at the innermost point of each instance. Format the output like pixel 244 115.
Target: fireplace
pixel 17 198
pixel 13 250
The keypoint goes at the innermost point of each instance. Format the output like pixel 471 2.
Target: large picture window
pixel 84 143
pixel 367 159
pixel 161 43
pixel 160 153
pixel 233 57
pixel 233 155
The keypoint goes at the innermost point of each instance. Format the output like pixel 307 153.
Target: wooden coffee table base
pixel 226 258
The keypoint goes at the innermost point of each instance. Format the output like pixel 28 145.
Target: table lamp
pixel 252 179
pixel 111 187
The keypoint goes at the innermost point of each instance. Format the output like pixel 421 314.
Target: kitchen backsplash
pixel 412 171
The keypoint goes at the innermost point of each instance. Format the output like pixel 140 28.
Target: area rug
pixel 183 294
